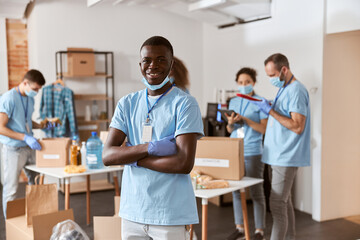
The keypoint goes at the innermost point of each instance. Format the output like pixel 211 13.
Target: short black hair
pixel 249 71
pixel 280 60
pixel 35 76
pixel 158 41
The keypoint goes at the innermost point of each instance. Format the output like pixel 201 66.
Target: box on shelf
pixel 81 64
pixel 16 224
pixel 108 227
pixel 54 152
pixel 220 157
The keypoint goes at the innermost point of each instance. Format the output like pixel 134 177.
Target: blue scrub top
pixel 147 196
pixel 252 139
pixel 283 147
pixel 11 105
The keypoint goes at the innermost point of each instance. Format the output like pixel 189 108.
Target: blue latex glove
pixel 50 126
pixel 133 164
pixel 264 105
pixel 162 147
pixel 32 142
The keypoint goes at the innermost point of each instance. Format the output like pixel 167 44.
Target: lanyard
pixel 27 101
pixel 247 104
pixel 147 102
pixel 281 90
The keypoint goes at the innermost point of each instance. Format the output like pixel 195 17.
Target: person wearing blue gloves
pixel 287 141
pixel 248 122
pixel 162 124
pixel 16 109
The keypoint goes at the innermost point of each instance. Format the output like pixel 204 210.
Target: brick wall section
pixel 17 49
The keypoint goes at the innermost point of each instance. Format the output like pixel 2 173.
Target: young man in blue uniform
pixel 19 145
pixel 287 141
pixel 162 124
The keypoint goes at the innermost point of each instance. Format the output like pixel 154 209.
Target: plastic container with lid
pixel 74 151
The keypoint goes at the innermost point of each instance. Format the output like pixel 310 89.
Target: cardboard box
pixel 54 152
pixel 81 64
pixel 220 157
pixel 16 226
pixel 108 228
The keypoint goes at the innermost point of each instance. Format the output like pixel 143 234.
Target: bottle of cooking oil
pixel 74 151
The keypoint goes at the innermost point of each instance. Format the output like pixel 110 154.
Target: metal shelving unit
pixel 108 76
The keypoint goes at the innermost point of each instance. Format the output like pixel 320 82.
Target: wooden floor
pixel 220 222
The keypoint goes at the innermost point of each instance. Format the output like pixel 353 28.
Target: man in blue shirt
pixel 162 124
pixel 19 145
pixel 287 141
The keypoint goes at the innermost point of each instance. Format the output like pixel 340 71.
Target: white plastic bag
pixel 68 230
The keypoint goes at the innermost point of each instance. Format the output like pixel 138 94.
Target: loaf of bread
pixel 214 184
pixel 74 169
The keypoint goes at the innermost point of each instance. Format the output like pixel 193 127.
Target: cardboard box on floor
pixel 220 157
pixel 16 224
pixel 106 228
pixel 54 152
pixel 81 64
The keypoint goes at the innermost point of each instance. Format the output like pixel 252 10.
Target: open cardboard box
pixel 108 228
pixel 54 152
pixel 220 157
pixel 16 225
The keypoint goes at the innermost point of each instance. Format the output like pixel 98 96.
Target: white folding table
pixel 61 174
pixel 205 194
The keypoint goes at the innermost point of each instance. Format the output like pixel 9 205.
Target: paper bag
pixel 40 199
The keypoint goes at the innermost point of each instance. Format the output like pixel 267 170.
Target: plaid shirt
pixel 58 101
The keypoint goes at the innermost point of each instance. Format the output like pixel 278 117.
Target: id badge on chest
pixel 146 131
pixel 240 132
pixel 27 127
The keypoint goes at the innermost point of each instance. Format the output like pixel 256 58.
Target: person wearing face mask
pixel 287 141
pixel 19 145
pixel 162 124
pixel 248 122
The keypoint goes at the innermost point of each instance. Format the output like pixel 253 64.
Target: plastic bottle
pixel 83 154
pixel 94 111
pixel 94 152
pixel 73 153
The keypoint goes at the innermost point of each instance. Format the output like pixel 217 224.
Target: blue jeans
pixel 14 159
pixel 253 168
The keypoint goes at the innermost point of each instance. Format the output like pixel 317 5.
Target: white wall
pixel 56 25
pixel 342 16
pixel 295 30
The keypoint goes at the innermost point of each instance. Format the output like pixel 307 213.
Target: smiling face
pixel 155 63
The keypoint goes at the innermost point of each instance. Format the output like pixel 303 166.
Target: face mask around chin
pixel 245 89
pixel 155 87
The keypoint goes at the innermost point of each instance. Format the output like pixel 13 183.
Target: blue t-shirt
pixel 147 196
pixel 252 139
pixel 283 147
pixel 10 103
